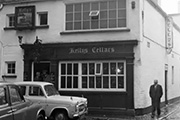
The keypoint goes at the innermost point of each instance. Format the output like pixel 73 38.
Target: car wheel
pixel 40 117
pixel 60 116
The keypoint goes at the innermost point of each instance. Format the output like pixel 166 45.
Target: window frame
pixel 39 18
pixel 8 20
pixel 97 18
pixel 80 75
pixel 11 69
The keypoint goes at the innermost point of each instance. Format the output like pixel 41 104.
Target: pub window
pixel 10 20
pixel 11 67
pixel 104 75
pixel 96 15
pixel 43 18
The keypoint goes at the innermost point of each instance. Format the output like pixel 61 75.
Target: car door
pixel 18 104
pixel 5 108
pixel 36 94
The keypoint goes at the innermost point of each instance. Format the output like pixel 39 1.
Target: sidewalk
pixel 165 112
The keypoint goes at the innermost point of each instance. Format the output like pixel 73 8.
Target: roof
pixel 33 83
pixel 3 83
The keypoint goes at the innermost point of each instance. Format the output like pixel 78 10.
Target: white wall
pixel 151 64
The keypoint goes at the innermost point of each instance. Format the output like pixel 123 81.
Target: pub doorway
pixel 40 69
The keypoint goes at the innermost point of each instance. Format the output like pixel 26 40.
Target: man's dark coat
pixel 155 94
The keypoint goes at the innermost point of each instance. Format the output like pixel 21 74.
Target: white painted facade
pixel 146 23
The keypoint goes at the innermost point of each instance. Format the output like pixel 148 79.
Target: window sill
pixel 9 76
pixel 36 27
pixel 95 31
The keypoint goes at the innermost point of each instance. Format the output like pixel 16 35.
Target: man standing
pixel 156 93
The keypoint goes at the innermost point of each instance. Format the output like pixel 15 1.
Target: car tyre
pixel 60 116
pixel 40 117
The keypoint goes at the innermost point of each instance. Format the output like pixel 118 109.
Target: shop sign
pixel 93 50
pixel 25 17
pixel 169 33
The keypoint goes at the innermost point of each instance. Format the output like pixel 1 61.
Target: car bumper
pixel 85 111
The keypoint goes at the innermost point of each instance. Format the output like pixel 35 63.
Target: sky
pixel 170 6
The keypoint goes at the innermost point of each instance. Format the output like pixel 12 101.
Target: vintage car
pixel 56 106
pixel 13 106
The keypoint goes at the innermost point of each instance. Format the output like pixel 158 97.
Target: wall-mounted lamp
pixel 133 4
pixel 20 39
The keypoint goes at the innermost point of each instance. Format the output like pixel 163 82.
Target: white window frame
pixel 93 89
pixel 90 29
pixel 7 63
pixel 39 17
pixel 8 20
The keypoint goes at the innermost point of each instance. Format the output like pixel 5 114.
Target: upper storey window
pixel 11 20
pixel 96 15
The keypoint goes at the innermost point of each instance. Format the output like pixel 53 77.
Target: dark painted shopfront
pixel 100 71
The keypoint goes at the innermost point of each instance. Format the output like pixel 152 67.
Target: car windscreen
pixel 51 90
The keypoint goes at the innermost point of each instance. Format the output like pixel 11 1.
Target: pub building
pixel 104 50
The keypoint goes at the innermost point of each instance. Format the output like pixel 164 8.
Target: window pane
pixel 120 69
pixel 77 16
pixel 103 5
pixel 63 83
pixel 63 69
pixel 69 82
pixel 84 82
pixel 122 23
pixel 94 24
pixel 75 69
pixel 91 82
pixel 69 17
pixel 86 6
pixel 121 13
pixel 77 25
pixel 121 3
pixel 112 14
pixel 112 4
pixel 103 24
pixel 86 16
pixel 113 82
pixel 84 69
pixel 113 68
pixel 112 23
pixel 120 82
pixel 69 26
pixel 69 69
pixel 75 82
pixel 105 82
pixel 69 8
pixel 98 82
pixel 103 15
pixel 77 7
pixel 43 19
pixel 3 99
pixel 86 25
pixel 14 95
pixel 94 6
pixel 105 68
pixel 91 68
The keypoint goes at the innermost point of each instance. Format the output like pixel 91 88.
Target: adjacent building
pixel 109 51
